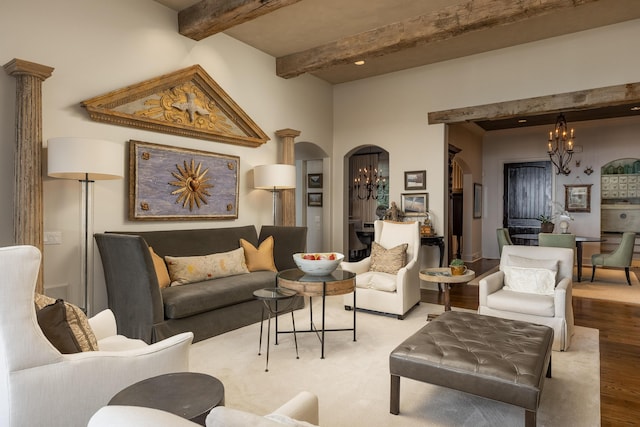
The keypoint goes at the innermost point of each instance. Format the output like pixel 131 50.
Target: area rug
pixel 352 382
pixel 609 285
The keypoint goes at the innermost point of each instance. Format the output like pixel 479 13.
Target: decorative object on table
pixel 546 224
pixel 314 180
pixel 426 228
pixel 274 178
pixel 561 146
pixel 381 211
pixel 170 183
pixel 415 180
pixel 314 200
pixel 187 102
pixel 457 267
pixel 577 197
pixel 318 263
pixel 414 204
pixel 477 200
pixel 393 214
pixel 85 160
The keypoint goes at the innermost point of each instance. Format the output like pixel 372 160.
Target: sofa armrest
pixel 103 324
pixel 560 297
pixel 490 284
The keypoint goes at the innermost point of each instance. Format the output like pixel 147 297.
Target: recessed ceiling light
pixel 361 62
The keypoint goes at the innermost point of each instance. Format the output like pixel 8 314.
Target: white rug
pixel 608 284
pixel 352 382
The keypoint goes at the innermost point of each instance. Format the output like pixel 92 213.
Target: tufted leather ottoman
pixel 496 358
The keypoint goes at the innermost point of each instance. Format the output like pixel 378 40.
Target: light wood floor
pixel 619 326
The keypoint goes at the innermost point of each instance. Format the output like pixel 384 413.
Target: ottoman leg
pixel 395 395
pixel 529 418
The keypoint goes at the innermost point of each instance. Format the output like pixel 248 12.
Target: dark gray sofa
pixel 208 308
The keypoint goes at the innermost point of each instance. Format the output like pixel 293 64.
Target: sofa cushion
pixel 522 303
pixel 185 301
pixel 388 260
pixel 260 258
pixel 161 269
pixel 184 270
pixel 77 321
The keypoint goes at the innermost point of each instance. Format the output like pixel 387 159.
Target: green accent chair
pixel 621 257
pixel 503 238
pixel 557 240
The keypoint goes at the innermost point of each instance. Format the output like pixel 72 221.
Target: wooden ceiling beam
pixel 208 17
pixel 452 21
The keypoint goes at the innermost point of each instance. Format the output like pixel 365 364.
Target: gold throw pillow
pixel 388 260
pixel 161 269
pixel 260 258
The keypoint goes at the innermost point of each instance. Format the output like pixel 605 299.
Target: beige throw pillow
pixel 388 260
pixel 261 258
pixel 529 280
pixel 77 320
pixel 161 269
pixel 183 270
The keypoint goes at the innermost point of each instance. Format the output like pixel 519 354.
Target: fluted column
pixel 28 210
pixel 288 158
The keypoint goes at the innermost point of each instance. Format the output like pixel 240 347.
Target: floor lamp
pixel 85 160
pixel 274 178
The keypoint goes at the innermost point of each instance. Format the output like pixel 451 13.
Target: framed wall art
pixel 415 180
pixel 577 197
pixel 314 180
pixel 414 204
pixel 170 183
pixel 314 199
pixel 477 200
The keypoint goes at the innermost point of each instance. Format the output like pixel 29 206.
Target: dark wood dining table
pixel 579 241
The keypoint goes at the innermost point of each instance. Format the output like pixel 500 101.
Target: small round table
pixel 443 275
pixel 270 298
pixel 190 395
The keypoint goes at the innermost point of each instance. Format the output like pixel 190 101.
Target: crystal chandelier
pixel 560 147
pixel 367 182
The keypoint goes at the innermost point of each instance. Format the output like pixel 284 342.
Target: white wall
pixel 99 46
pixel 391 111
pixel 602 141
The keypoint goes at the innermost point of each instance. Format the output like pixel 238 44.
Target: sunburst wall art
pixel 170 183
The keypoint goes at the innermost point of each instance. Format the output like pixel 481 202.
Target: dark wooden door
pixel 527 194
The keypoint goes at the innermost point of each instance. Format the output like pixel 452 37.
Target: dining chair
pixel 503 238
pixel 557 240
pixel 621 257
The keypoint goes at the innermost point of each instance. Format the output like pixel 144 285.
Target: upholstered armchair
pixel 303 408
pixel 39 386
pixel 393 293
pixel 620 258
pixel 534 284
pixel 503 238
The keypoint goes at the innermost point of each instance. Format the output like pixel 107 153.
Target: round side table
pixel 443 275
pixel 190 395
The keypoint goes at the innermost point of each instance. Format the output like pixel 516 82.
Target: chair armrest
pixel 103 324
pixel 136 416
pixel 490 284
pixel 560 297
pixel 303 407
pixel 358 267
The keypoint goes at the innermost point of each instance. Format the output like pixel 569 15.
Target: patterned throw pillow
pixel 52 320
pixel 77 321
pixel 261 258
pixel 388 260
pixel 183 270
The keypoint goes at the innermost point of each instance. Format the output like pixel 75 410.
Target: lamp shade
pixel 84 158
pixel 274 177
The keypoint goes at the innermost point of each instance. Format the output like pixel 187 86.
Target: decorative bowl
pixel 322 263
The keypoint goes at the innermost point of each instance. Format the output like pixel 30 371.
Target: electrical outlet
pixel 53 237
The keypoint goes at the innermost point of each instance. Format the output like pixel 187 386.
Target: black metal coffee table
pixel 190 395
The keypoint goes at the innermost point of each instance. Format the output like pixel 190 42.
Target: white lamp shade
pixel 274 177
pixel 85 158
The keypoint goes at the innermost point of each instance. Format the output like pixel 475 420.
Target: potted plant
pixel 457 267
pixel 546 224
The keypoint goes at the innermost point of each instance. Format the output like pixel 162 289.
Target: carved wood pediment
pixel 187 102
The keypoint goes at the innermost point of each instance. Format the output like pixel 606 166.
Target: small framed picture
pixel 314 180
pixel 314 199
pixel 477 200
pixel 415 180
pixel 577 198
pixel 414 204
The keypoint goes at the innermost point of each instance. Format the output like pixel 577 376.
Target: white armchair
pixel 554 310
pixel 385 292
pixel 39 386
pixel 303 408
